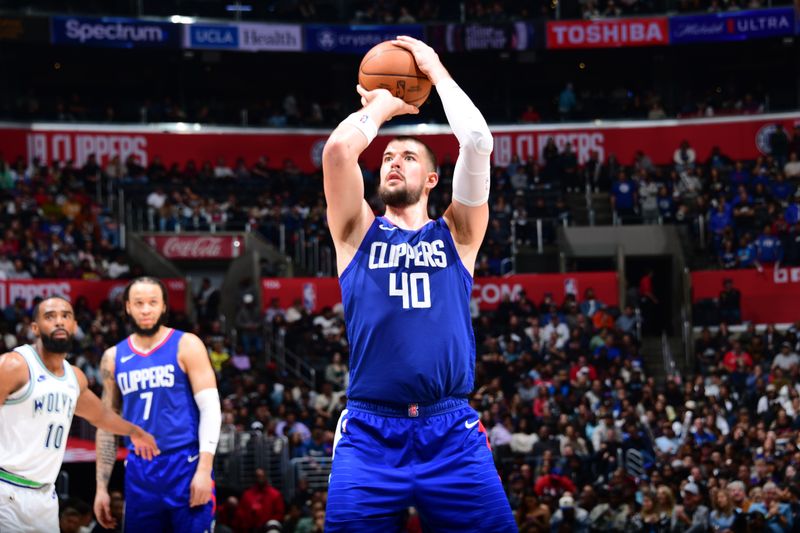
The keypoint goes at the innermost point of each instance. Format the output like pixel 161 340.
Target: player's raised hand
pixel 201 487
pixel 426 57
pixel 102 510
pixel 144 444
pixel 389 104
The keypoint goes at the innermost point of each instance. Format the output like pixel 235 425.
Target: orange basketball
pixel 390 67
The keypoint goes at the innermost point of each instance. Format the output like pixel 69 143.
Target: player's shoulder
pixel 190 342
pixel 12 360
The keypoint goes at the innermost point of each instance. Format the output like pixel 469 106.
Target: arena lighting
pixel 243 8
pixel 179 19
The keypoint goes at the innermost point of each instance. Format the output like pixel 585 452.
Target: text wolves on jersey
pixel 53 402
pixel 146 378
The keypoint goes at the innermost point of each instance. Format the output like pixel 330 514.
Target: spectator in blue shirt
pixel 780 188
pixel 727 255
pixel 777 515
pixel 746 254
pixel 666 206
pixel 768 247
pixel 792 213
pixel 719 220
pixel 624 196
pixel 739 176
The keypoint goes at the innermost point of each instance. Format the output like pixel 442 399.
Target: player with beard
pixel 408 436
pixel 162 379
pixel 39 393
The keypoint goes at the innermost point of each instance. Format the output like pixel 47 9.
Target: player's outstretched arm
pixel 106 443
pixel 349 215
pixel 468 215
pixel 193 358
pixel 99 415
pixel 15 375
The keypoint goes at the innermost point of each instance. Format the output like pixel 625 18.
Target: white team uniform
pixel 34 424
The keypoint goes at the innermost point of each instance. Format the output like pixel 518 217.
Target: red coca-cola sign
pixel 192 247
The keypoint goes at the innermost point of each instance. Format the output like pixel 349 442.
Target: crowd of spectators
pixel 51 225
pixel 749 210
pixel 583 436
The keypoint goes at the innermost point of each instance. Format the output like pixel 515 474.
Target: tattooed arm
pixel 106 443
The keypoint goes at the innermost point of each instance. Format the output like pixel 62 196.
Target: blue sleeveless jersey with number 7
pixel 156 393
pixel 406 300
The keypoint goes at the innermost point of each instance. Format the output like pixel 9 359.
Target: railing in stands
pixel 314 470
pixel 535 232
pixel 670 368
pixel 286 360
pixel 239 453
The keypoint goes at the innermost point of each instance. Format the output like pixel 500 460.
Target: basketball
pixel 390 67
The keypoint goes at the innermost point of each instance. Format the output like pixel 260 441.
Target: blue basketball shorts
pixel 157 495
pixel 435 458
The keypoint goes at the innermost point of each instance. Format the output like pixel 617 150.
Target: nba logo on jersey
pixel 413 410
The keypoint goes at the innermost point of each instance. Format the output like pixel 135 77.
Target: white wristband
pixel 363 123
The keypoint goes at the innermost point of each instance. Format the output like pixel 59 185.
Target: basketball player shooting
pixel 161 378
pixel 408 436
pixel 39 393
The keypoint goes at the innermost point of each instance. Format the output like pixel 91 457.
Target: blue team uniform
pixel 408 436
pixel 157 395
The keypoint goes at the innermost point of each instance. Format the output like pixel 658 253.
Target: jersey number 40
pixel 414 289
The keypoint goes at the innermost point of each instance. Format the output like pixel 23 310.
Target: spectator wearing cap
pixel 778 515
pixel 259 504
pixel 787 359
pixel 767 400
pixel 569 517
pixel 561 330
pixel 692 516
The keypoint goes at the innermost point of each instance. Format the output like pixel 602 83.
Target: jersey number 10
pixel 414 289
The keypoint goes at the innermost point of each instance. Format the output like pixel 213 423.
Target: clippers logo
pixel 762 138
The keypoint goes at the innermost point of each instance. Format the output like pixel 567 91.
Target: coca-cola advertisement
pixel 741 137
pixel 95 292
pixel 195 247
pixel 317 293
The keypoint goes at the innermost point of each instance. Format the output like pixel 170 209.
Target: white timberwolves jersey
pixel 34 423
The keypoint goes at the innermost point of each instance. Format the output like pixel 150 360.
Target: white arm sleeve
pixel 473 166
pixel 207 401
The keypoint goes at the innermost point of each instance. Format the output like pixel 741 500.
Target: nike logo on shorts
pixel 127 358
pixel 470 425
pixel 193 458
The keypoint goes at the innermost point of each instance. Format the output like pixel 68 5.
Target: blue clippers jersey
pixel 156 393
pixel 406 300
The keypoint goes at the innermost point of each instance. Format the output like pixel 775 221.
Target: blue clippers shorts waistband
pixel 409 410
